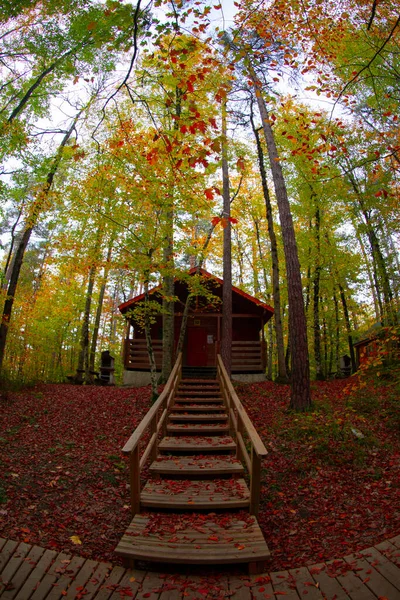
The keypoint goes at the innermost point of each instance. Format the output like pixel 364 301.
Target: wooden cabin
pixel 382 343
pixel 203 333
pixel 365 350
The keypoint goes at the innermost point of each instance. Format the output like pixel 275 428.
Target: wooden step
pixel 185 540
pixel 199 394
pixel 189 381
pixel 197 408
pixel 197 400
pixel 200 428
pixel 186 494
pixel 194 388
pixel 196 444
pixel 198 417
pixel 194 465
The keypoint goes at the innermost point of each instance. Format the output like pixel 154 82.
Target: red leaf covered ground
pixel 62 470
pixel 326 491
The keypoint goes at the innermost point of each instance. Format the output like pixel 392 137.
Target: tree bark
pixel 168 279
pixel 300 380
pixel 99 310
pixel 149 343
pixel 226 326
pixel 348 327
pixel 316 281
pixel 82 372
pixel 382 280
pixel 168 303
pixel 189 298
pixel 276 292
pixel 337 330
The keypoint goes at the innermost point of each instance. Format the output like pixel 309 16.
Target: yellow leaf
pixel 132 579
pixel 75 540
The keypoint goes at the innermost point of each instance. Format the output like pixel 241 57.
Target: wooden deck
pixel 34 573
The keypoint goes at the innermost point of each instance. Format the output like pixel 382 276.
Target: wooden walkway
pixel 196 507
pixel 34 573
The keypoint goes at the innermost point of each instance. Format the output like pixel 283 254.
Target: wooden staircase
pixel 196 507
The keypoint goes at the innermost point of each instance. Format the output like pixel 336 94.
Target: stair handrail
pixel 239 421
pixel 156 423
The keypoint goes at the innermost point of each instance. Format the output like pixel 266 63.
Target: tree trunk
pixel 189 298
pixel 168 279
pixel 382 279
pixel 12 287
pixel 270 359
pixel 96 325
pixel 256 283
pixel 337 331
pixel 282 374
pixel 300 380
pixel 316 281
pixel 226 327
pixel 149 343
pixel 348 327
pixel 372 281
pixel 240 260
pixel 33 217
pixel 168 303
pixel 82 373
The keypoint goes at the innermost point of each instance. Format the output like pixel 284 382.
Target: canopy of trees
pixel 135 137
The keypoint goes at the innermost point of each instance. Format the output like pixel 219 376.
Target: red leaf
pixel 240 163
pixel 209 193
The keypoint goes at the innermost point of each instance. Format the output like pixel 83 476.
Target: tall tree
pixel 300 376
pixel 226 326
pixel 34 212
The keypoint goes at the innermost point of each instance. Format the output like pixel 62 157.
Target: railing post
pixel 127 352
pixel 239 431
pixel 153 430
pixel 255 483
pixel 134 475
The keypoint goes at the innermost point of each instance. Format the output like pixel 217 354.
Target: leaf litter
pixel 325 492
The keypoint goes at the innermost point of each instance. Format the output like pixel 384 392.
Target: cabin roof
pixel 129 303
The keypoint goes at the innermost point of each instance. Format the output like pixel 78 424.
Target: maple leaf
pixel 209 193
pixel 75 540
pixel 240 163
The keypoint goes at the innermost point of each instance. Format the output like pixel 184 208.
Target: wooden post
pixel 263 347
pixel 239 430
pixel 255 483
pixel 153 429
pixel 134 474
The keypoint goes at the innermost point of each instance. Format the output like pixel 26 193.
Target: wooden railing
pixel 248 356
pixel 245 434
pixel 136 355
pixel 155 421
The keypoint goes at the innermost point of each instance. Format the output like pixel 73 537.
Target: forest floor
pixel 326 491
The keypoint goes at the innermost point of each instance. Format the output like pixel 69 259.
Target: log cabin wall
pixel 203 334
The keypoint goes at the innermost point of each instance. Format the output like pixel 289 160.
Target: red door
pixel 196 350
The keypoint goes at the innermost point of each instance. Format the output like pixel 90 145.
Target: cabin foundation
pixel 249 377
pixel 137 378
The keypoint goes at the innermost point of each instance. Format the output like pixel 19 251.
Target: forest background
pixel 112 123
